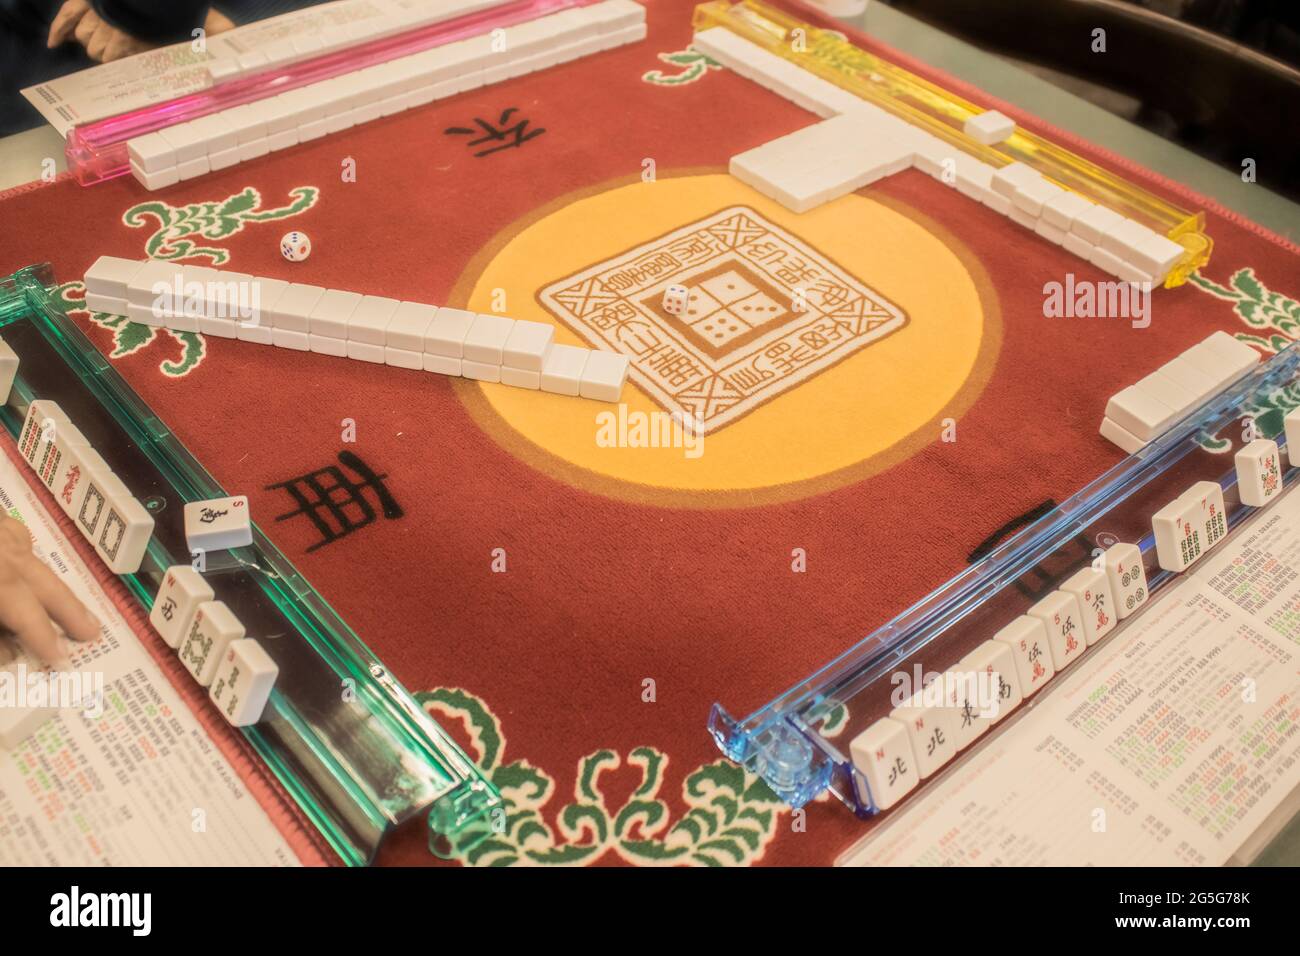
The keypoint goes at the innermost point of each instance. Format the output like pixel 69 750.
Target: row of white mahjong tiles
pixel 222 139
pixel 211 642
pixel 917 738
pixel 858 143
pixel 370 328
pixel 1140 413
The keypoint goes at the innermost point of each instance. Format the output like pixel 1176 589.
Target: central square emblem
pixel 765 313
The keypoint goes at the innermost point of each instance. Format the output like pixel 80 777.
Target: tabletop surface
pixel 31 155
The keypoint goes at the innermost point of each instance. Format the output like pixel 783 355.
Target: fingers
pixel 59 602
pixel 23 614
pixel 86 27
pixel 217 23
pixel 31 593
pixel 99 41
pixel 65 21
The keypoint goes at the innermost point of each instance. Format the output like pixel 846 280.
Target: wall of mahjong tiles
pixel 571 607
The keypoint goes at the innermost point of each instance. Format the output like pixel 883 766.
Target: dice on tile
pixel 1063 618
pixel 182 591
pixel 675 299
pixel 1091 588
pixel 210 633
pixel 882 754
pixel 1027 638
pixel 218 524
pixel 243 681
pixel 931 729
pixel 1000 687
pixel 1128 578
pixel 1259 473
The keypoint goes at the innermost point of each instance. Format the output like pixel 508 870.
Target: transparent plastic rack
pixel 96 151
pixel 358 767
pixel 784 742
pixel 943 113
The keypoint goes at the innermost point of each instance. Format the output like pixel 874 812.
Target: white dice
pixel 931 729
pixel 1128 578
pixel 213 628
pixel 1091 588
pixel 218 525
pixel 182 591
pixel 243 682
pixel 295 246
pixel 675 299
pixel 883 755
pixel 1061 615
pixel 1027 638
pixel 1259 473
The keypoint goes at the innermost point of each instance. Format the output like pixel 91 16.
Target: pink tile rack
pixel 97 151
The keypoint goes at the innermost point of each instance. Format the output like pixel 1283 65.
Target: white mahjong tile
pixel 1259 473
pixel 8 370
pixel 39 427
pixel 243 681
pixel 1063 618
pixel 1179 536
pixel 179 596
pixel 93 505
pixel 1291 426
pixel 1128 578
pixel 218 524
pixel 883 755
pixel 1091 587
pixel 962 695
pixel 931 729
pixel 996 662
pixel 1027 638
pixel 486 339
pixel 66 438
pixel 125 529
pixel 213 628
pixel 1214 517
pixel 527 345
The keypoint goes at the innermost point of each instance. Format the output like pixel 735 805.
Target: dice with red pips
pixel 295 246
pixel 675 299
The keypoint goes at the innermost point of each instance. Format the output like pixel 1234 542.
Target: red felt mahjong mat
pixel 566 600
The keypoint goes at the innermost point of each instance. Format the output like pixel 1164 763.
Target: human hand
pixel 31 595
pixel 102 41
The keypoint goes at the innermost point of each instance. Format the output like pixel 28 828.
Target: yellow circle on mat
pixel 874 408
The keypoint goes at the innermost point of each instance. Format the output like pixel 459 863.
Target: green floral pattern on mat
pixel 131 337
pixel 1273 320
pixel 692 66
pixel 174 237
pixel 731 818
